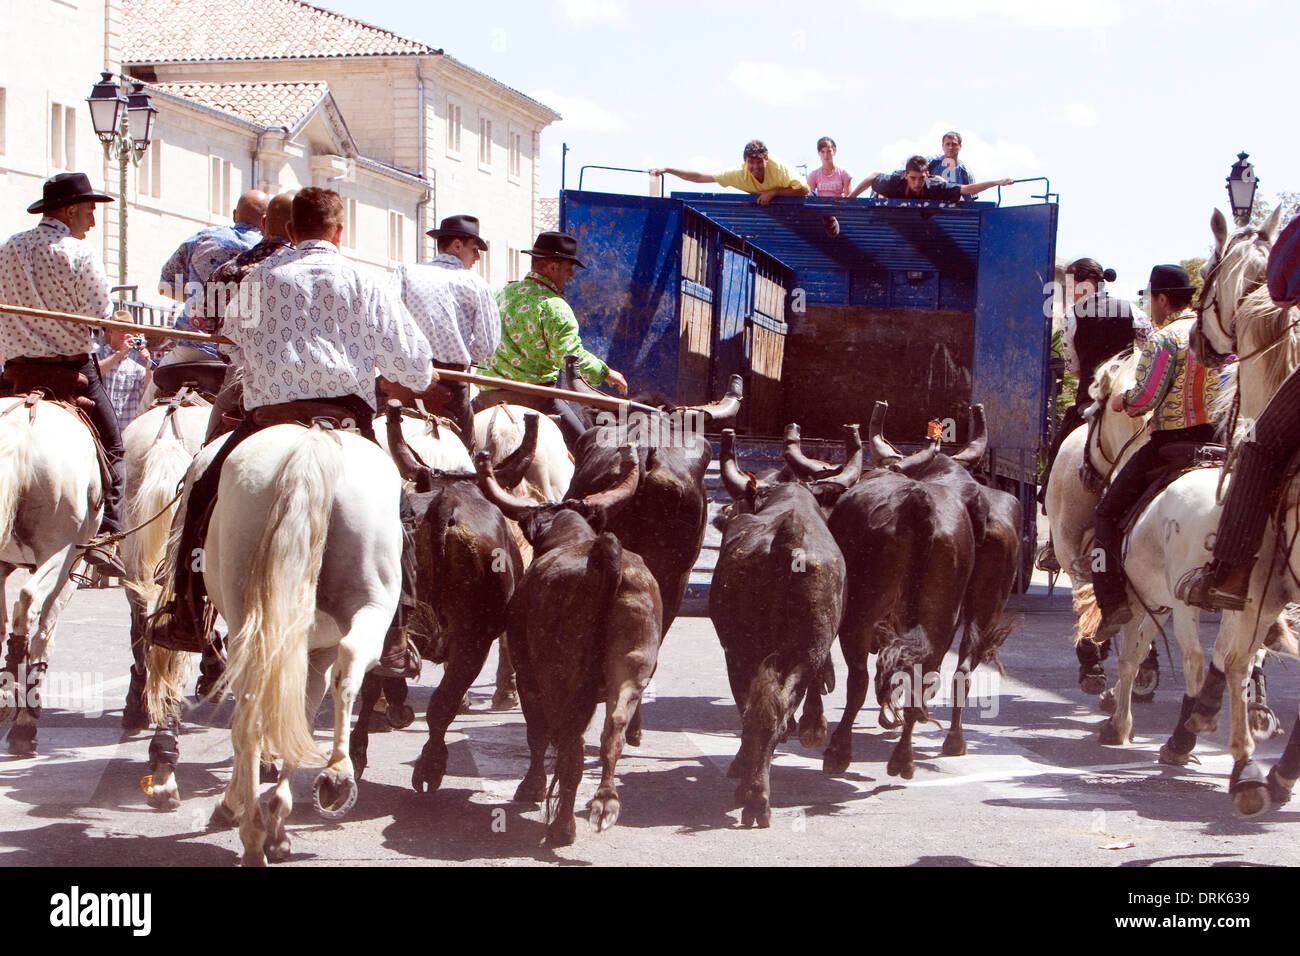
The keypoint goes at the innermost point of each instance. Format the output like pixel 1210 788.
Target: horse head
pixel 1235 271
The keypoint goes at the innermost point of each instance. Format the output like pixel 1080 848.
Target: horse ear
pixel 1269 229
pixel 1219 226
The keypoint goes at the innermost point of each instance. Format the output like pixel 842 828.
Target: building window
pixel 453 128
pixel 149 172
pixel 63 136
pixel 485 263
pixel 350 223
pixel 220 180
pixel 484 141
pixel 516 153
pixel 396 228
pixel 513 259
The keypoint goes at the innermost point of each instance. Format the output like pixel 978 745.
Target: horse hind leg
pixel 164 753
pixel 1117 730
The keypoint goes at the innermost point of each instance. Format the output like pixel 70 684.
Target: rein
pixel 120 535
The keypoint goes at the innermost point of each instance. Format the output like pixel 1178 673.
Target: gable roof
pixel 170 31
pixel 264 104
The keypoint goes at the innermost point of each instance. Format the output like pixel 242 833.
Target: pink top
pixel 836 183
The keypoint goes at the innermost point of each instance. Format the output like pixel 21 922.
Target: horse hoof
pixel 334 794
pixel 1106 703
pixel 505 700
pixel 1172 758
pixel 1145 684
pixel 222 818
pixel 400 716
pixel 22 740
pixel 1263 722
pixel 1092 684
pixel 1250 800
pixel 1279 788
pixel 531 791
pixel 1110 735
pixel 835 762
pixel 954 747
pixel 812 734
pixel 602 812
pixel 277 851
pixel 166 801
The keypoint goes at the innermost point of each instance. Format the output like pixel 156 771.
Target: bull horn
pixel 725 408
pixel 882 452
pixel 409 465
pixel 918 460
pixel 511 469
pixel 852 469
pixel 737 483
pixel 624 486
pixel 803 467
pixel 970 456
pixel 512 506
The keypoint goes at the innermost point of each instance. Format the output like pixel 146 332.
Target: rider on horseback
pixel 320 331
pixel 1257 476
pixel 1180 390
pixel 51 267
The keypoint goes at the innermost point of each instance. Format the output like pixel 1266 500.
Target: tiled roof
pixel 266 104
pixel 167 31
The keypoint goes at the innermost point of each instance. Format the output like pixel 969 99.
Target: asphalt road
pixel 1036 788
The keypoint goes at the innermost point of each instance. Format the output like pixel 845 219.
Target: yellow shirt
pixel 778 176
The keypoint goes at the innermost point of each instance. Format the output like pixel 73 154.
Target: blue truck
pixel 929 306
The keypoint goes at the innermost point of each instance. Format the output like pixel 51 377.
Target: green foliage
pixel 1193 267
pixel 1261 209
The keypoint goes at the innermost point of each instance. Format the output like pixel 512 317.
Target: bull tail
pixel 16 453
pixel 267 670
pixel 989 640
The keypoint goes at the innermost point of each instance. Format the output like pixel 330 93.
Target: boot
pixel 1112 620
pixel 399 658
pixel 182 630
pixel 104 557
pixel 1046 560
pixel 1219 586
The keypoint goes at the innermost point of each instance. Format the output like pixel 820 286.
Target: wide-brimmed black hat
pixel 1168 278
pixel 556 245
pixel 458 227
pixel 66 189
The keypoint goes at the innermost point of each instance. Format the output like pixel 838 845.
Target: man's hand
pixel 949 163
pixel 202 323
pixel 142 355
pixel 766 197
pixel 618 381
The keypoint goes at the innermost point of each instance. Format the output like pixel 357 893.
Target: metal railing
pixel 145 313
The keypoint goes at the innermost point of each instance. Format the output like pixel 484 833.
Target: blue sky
pixel 1135 111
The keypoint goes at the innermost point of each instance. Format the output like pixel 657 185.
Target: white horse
pixel 1237 315
pixel 499 430
pixel 303 560
pixel 51 501
pixel 160 445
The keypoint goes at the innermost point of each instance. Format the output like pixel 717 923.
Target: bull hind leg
pixel 532 789
pixel 812 724
pixel 954 744
pixel 506 695
pixel 563 828
pixel 901 761
pixel 359 742
pixel 604 808
pixel 468 654
pixel 840 752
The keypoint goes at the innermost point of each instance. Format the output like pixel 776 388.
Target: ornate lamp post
pixel 1241 189
pixel 124 125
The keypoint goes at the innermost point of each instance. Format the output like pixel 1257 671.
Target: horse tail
pixel 267 669
pixel 1087 612
pixel 16 452
pixel 164 467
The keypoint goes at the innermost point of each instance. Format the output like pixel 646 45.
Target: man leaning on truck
pixel 759 173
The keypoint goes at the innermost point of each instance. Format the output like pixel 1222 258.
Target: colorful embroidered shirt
pixel 46 268
pixel 1171 381
pixel 538 329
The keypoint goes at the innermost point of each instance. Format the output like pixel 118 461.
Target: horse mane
pixel 1117 374
pixel 1259 324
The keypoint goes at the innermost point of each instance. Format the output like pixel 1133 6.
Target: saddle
pixel 1177 459
pixel 206 378
pixel 54 382
pixel 304 412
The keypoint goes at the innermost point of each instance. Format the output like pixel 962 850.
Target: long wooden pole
pixel 604 402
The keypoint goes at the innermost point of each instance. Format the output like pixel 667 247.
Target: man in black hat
pixel 454 308
pixel 52 267
pixel 1178 391
pixel 538 328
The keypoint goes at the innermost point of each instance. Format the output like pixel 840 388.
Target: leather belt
pixel 79 360
pixel 303 411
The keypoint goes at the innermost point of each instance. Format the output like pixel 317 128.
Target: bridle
pixel 1205 351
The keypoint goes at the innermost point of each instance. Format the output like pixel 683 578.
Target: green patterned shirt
pixel 538 328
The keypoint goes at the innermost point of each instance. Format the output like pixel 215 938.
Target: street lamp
pixel 124 125
pixel 1241 189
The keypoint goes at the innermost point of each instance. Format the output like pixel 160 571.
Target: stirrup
pixel 1201 588
pixel 1046 559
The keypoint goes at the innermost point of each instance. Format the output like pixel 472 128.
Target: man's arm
pixel 686 174
pixel 974 189
pixel 767 195
pixel 560 329
pixel 486 325
pixel 864 186
pixel 1156 369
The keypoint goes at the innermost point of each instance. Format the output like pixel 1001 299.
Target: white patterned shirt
pixel 323 330
pixel 46 268
pixel 454 308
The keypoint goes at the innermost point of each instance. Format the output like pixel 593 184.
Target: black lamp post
pixel 1241 189
pixel 124 125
